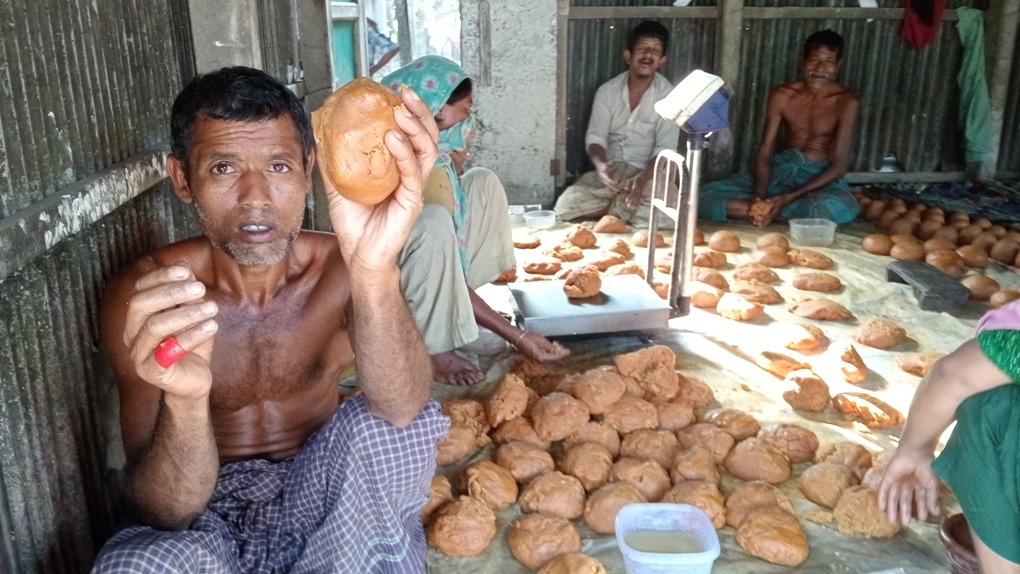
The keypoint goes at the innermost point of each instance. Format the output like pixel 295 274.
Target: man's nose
pixel 255 190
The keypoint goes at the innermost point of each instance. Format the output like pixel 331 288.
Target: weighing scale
pixel 699 106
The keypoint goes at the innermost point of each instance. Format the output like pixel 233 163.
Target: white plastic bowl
pixel 541 219
pixel 813 231
pixel 684 518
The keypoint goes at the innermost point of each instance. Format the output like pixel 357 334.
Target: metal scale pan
pixel 626 303
pixel 699 106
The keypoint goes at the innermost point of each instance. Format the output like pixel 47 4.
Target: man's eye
pixel 222 168
pixel 280 168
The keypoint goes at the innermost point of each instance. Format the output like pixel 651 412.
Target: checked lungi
pixel 348 502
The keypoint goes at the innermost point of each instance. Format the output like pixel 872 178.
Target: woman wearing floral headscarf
pixel 462 238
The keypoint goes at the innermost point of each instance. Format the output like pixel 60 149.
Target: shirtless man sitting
pixel 228 347
pixel 804 178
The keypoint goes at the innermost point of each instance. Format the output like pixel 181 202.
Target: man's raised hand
pixel 370 236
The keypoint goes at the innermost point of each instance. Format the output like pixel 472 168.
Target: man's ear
pixel 626 57
pixel 663 61
pixel 179 178
pixel 310 168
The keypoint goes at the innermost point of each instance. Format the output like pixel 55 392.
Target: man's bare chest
pixel 273 356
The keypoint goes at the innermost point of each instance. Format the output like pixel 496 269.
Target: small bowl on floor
pixel 955 534
pixel 541 219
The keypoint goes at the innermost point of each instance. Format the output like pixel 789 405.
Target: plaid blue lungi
pixel 791 168
pixel 348 502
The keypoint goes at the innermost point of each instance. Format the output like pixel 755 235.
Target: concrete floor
pixel 719 351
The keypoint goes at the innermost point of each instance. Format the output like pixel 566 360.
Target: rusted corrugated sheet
pixel 64 113
pixel 596 55
pixel 908 97
pixel 1009 152
pixel 57 501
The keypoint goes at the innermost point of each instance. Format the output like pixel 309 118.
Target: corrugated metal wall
pixel 66 68
pixel 599 44
pixel 58 498
pixel 1009 152
pixel 908 96
pixel 84 86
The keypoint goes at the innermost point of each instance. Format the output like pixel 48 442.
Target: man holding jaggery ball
pixel 804 179
pixel 227 349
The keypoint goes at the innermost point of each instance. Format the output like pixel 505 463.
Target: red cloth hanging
pixel 921 21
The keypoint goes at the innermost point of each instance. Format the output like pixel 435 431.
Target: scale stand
pixel 699 106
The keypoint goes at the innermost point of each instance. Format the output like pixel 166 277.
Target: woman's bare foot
pixel 535 346
pixel 452 369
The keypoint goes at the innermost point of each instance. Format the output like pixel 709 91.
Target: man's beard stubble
pixel 249 254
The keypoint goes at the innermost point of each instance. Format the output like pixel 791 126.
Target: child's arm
pixel 909 478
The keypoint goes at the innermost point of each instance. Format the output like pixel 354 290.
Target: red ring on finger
pixel 168 352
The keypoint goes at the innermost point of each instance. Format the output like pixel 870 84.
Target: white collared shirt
pixel 634 136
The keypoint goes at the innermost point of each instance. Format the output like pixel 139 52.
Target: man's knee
pixel 480 178
pixel 142 550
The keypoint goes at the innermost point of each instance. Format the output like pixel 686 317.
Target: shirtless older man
pixel 240 457
pixel 804 178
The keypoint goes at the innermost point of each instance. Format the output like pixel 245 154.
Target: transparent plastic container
pixel 661 516
pixel 812 231
pixel 540 219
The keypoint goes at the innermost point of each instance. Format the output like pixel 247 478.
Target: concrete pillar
pixel 225 33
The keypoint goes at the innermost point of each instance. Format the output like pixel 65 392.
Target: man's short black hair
pixel 648 29
pixel 827 39
pixel 238 94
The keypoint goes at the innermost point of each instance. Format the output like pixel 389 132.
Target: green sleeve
pixel 1002 347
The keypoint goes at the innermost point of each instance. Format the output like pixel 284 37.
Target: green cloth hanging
pixel 975 107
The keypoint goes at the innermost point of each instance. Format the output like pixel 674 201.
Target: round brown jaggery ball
pixel 558 415
pixel 525 461
pixel 1004 251
pixel 630 414
pixel 573 563
pixel 605 503
pixel 773 239
pixel 775 535
pixel 824 483
pixel 755 459
pixel 647 476
pixel 799 444
pixel 349 130
pixel 705 495
pixel 772 256
pixel 973 256
pixel 535 539
pixel 658 445
pixel 598 432
pixel 752 495
pixel 1000 298
pixel 946 260
pixel 877 244
pixel 462 528
pixel 554 493
pixel 589 463
pixel 857 513
pixel 490 483
pixel 907 251
pixel 440 492
pixel 716 440
pixel 725 241
pixel 981 287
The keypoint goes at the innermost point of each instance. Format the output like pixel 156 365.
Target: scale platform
pixel 626 303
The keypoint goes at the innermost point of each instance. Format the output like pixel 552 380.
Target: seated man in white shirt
pixel 624 135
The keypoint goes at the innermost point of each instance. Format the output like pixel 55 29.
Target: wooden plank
pixel 1000 39
pixel 728 63
pixel 804 13
pixel 637 12
pixel 861 177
